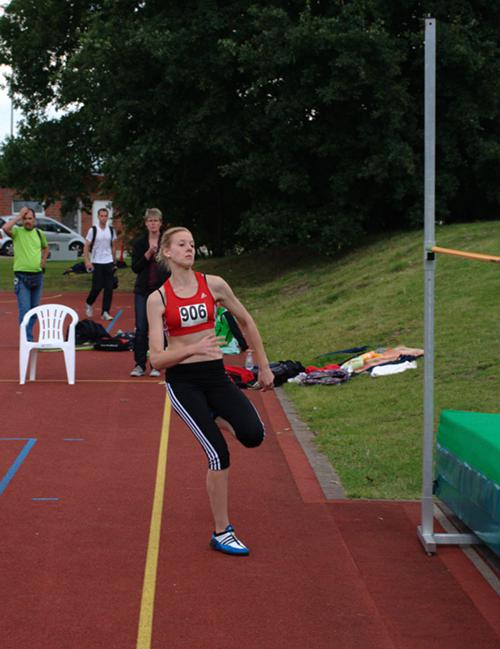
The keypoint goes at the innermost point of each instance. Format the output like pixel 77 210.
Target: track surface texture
pixel 82 498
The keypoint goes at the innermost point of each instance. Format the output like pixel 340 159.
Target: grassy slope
pixel 369 428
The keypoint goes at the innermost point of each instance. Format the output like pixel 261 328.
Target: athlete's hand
pixel 209 345
pixel 265 379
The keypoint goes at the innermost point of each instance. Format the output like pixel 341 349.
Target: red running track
pixel 321 575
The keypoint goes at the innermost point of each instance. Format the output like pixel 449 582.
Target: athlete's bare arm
pixel 205 346
pixel 223 293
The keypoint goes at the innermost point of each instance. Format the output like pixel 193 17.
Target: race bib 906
pixel 193 315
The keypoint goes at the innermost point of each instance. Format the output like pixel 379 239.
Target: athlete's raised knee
pixel 251 438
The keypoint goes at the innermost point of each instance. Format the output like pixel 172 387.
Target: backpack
pixel 88 331
pixel 284 370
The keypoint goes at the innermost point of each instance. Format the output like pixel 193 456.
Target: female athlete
pixel 198 387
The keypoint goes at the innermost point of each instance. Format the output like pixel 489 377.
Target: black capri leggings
pixel 201 391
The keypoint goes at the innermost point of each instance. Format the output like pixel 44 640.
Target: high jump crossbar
pixel 425 532
pixel 465 254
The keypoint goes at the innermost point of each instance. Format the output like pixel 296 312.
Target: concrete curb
pixel 325 473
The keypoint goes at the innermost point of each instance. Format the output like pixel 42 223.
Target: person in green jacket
pixel 226 327
pixel 30 255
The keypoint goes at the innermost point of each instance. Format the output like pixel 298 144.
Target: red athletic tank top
pixel 188 315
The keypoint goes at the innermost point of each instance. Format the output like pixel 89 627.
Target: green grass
pixel 55 280
pixel 370 429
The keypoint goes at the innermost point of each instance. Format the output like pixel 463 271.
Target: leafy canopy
pixel 255 123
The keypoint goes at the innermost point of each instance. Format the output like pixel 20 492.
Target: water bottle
pixel 249 360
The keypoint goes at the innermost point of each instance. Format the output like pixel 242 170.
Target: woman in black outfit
pixel 150 276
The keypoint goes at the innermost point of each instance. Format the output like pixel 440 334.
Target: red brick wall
pixel 7 195
pixel 86 222
pixel 54 211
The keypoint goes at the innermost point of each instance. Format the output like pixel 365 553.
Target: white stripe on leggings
pixel 213 458
pixel 261 422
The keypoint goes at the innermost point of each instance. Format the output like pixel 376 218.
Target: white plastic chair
pixel 51 335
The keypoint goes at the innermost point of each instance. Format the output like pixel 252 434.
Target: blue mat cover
pixel 474 498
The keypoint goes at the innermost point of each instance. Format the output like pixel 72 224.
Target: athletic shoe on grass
pixel 228 543
pixel 137 371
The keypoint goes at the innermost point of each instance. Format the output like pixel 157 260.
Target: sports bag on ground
pixel 88 331
pixel 109 343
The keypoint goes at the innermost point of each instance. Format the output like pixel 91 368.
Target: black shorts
pixel 201 391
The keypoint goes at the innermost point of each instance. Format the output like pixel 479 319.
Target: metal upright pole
pixel 426 534
pixel 425 531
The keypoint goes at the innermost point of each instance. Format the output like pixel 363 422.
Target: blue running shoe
pixel 227 542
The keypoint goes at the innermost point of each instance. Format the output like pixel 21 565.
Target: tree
pixel 256 123
pixel 327 136
pixel 146 85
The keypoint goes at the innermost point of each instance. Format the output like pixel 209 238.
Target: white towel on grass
pixel 393 368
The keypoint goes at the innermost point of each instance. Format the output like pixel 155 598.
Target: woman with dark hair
pixel 199 389
pixel 150 276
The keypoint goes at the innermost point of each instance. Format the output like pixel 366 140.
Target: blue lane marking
pixel 73 439
pixel 45 499
pixel 30 442
pixel 112 323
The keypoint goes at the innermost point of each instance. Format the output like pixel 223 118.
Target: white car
pixel 6 245
pixel 55 232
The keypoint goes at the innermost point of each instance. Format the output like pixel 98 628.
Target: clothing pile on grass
pixel 347 363
pixel 79 268
pixel 248 378
pixel 289 371
pixel 360 360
